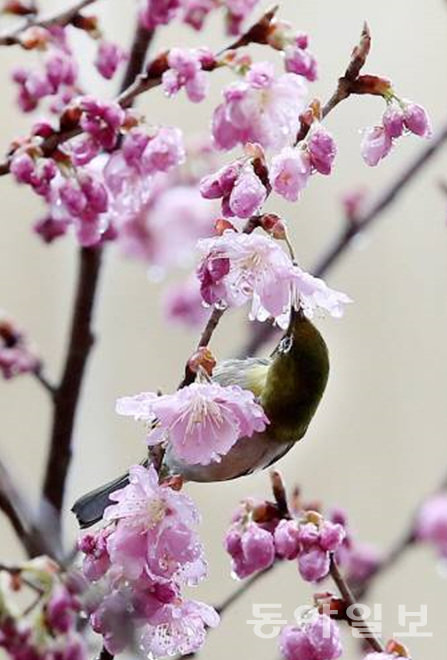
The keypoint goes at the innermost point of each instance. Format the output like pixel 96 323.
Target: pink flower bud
pixel 248 194
pixel 286 539
pixel 393 121
pixel 417 120
pixel 376 144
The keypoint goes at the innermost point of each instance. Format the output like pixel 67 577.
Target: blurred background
pixel 378 443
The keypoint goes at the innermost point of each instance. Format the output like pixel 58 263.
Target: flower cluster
pixel 254 543
pixel 238 186
pixel 49 630
pixel 201 422
pixel 292 166
pixel 57 79
pixel 194 12
pixel 109 57
pixel 17 356
pixel 315 637
pixel 261 108
pixel 186 69
pixel 295 46
pixel 237 268
pixel 138 565
pixel 95 190
pixel 399 118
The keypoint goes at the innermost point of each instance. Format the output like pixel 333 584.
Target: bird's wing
pixel 250 374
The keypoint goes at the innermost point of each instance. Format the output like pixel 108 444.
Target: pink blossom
pixel 183 303
pixel 248 194
pixel 164 151
pixel 195 11
pixel 238 10
pixel 185 70
pixel 299 60
pixel 431 523
pixel 202 421
pixel 289 172
pixel 316 637
pixel 237 268
pixel 101 120
pixel 322 149
pixel 393 121
pixel 108 59
pixel 155 532
pixel 376 144
pixel 96 560
pixel 361 562
pixel 251 548
pixel 250 267
pixel 286 539
pixel 261 109
pixel 158 12
pixel 221 183
pixel 181 629
pixel 139 563
pixel 416 120
pixel 311 543
pixel 312 294
pixel 17 355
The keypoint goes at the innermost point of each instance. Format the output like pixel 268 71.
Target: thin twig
pixel 44 381
pixel 350 602
pixel 65 17
pixel 22 521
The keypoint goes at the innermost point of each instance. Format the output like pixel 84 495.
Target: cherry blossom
pixel 431 523
pixel 201 422
pixel 262 108
pixel 316 637
pixel 238 268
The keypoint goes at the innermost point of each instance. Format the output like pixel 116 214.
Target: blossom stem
pixel 67 394
pixel 350 602
pixel 62 18
pixel 43 380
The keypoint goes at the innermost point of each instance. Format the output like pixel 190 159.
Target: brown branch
pixel 22 521
pixel 65 17
pixel 67 394
pixel 350 602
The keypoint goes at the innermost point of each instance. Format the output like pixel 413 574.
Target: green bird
pixel 289 385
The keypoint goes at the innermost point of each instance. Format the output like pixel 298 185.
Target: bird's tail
pixel 89 508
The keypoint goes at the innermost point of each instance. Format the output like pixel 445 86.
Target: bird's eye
pixel 285 345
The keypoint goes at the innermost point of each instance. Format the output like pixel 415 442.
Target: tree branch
pixel 350 602
pixel 65 17
pixel 67 394
pixel 13 506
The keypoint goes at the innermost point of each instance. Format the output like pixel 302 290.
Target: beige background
pixel 378 442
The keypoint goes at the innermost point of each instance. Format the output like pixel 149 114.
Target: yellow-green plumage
pixel 289 386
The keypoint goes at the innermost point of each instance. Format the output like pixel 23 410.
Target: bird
pixel 289 386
